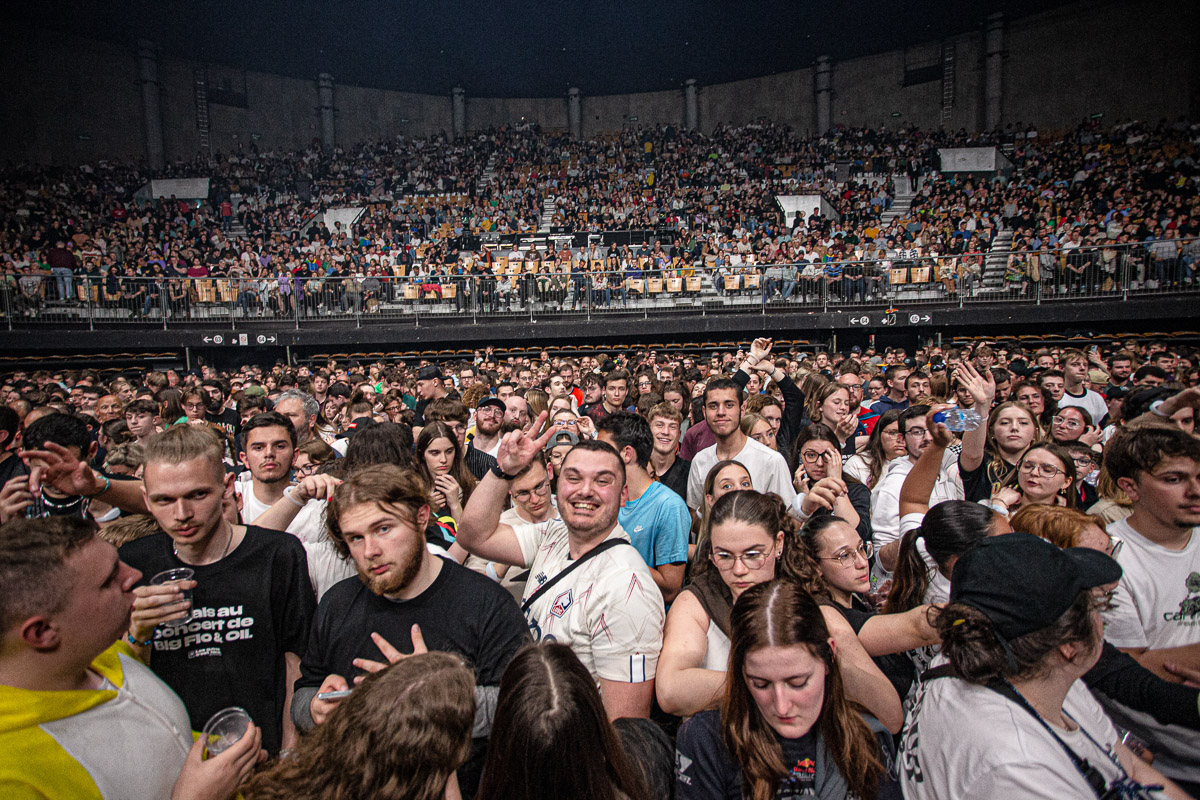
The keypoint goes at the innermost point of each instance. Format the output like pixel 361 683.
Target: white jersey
pixel 1157 606
pixel 966 741
pixel 768 471
pixel 609 610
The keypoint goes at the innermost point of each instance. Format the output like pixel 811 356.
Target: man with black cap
pixel 429 387
pixel 1008 716
pixel 489 417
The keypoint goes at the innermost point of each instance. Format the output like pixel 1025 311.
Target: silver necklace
pixel 225 552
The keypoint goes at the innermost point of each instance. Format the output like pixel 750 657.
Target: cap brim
pixel 1095 568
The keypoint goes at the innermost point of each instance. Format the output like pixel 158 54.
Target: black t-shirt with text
pixel 250 608
pixel 227 421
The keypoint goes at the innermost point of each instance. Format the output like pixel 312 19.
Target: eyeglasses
pixel 896 433
pixel 751 559
pixel 1106 601
pixel 1044 470
pixel 846 560
pixel 811 457
pixel 920 433
pixel 541 490
pixel 1070 424
pixel 1084 461
pixel 308 469
pixel 494 410
pixel 1114 545
pixel 566 423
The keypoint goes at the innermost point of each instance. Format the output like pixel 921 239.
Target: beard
pixel 489 428
pixel 400 575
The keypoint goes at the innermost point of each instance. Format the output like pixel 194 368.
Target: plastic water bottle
pixel 959 419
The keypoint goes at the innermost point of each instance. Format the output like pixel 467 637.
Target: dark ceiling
pixel 519 49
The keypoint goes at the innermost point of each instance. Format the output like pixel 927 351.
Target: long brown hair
pixel 399 736
pixel 779 613
pixel 549 708
pixel 1003 473
pixel 458 470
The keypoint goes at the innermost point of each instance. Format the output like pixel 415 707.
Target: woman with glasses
pixel 990 453
pixel 843 561
pixel 884 446
pixel 1045 476
pixel 821 485
pixel 788 724
pixel 310 457
pixel 1072 424
pixel 752 541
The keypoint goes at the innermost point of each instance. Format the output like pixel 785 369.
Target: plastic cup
pixel 175 576
pixel 225 728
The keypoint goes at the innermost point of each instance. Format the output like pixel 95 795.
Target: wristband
pixel 1156 409
pixel 129 638
pixel 107 486
pixel 288 494
pixel 999 508
pixel 501 474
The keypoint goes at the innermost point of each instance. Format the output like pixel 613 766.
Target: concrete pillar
pixel 458 108
pixel 575 113
pixel 325 101
pixel 151 105
pixel 691 110
pixel 993 112
pixel 824 95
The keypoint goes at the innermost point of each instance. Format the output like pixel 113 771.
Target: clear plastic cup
pixel 225 728
pixel 175 576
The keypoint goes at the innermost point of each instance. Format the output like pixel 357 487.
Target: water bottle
pixel 959 419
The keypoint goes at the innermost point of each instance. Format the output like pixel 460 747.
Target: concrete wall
pixel 70 99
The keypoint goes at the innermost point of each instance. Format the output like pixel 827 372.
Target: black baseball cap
pixel 429 372
pixel 359 424
pixel 491 401
pixel 1023 583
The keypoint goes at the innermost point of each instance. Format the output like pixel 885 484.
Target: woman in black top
pixel 842 558
pixel 785 728
pixel 821 485
pixel 990 453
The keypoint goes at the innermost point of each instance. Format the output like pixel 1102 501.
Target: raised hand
pixel 518 448
pixel 390 653
pixel 15 497
pixel 760 348
pixel 981 386
pixel 63 471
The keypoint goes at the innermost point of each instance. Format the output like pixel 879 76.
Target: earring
pixel 778 553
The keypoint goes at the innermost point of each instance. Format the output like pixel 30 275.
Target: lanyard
pixel 1123 787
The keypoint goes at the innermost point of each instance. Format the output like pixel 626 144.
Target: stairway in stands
pixel 996 262
pixel 487 177
pixel 549 208
pixel 901 204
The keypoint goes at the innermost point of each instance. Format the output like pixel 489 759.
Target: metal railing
pixel 1114 272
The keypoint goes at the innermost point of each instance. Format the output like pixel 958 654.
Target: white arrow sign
pixel 207 339
pixel 926 318
pixel 863 320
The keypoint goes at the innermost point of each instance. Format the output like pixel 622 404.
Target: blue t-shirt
pixel 658 523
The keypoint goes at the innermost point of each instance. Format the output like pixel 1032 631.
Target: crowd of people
pixel 960 571
pixel 1096 209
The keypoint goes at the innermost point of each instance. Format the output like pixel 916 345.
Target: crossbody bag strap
pixel 1006 690
pixel 608 544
